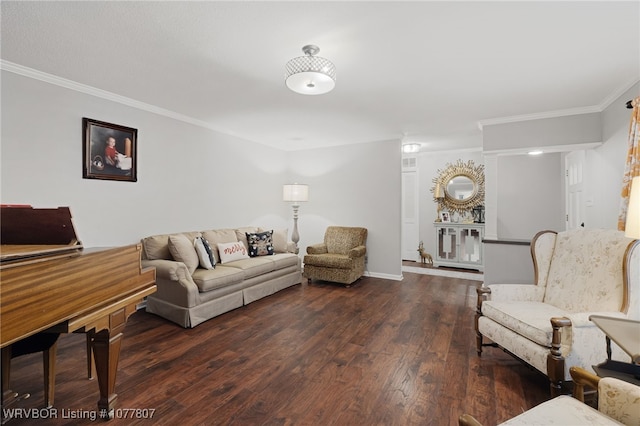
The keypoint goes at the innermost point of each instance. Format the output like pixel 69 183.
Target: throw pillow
pixel 205 254
pixel 280 240
pixel 182 250
pixel 260 244
pixel 232 251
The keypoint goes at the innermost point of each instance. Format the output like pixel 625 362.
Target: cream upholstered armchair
pixel 618 403
pixel 577 273
pixel 340 258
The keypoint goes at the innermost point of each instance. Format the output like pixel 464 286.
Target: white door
pixel 410 210
pixel 574 184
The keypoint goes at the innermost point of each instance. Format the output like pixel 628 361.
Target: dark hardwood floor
pixel 379 353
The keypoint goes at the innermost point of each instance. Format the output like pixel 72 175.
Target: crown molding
pixel 563 112
pixel 103 94
pixel 539 116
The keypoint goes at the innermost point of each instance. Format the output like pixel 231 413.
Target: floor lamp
pixel 295 193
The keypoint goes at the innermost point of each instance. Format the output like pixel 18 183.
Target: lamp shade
pixel 310 75
pixel 632 227
pixel 295 192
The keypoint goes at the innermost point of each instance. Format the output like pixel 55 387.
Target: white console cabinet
pixel 459 245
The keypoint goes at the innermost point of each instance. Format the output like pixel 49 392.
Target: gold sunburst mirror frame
pixel 459 187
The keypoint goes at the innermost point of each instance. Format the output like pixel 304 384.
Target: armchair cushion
pixel 586 273
pixel 342 239
pixel 330 260
pixel 528 319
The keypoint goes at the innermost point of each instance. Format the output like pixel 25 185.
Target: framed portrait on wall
pixel 445 216
pixel 109 151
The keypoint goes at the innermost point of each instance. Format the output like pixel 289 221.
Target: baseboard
pixel 383 276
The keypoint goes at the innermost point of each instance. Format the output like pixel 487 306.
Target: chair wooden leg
pixel 482 294
pixel 555 360
pixel 49 363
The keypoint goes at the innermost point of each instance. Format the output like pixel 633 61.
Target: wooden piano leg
pixel 49 358
pixel 8 396
pixel 106 352
pixel 89 337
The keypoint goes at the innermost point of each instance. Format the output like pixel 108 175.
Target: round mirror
pixel 460 188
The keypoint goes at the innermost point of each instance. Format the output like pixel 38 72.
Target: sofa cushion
pixel 241 234
pixel 230 252
pixel 211 279
pixel 260 243
pixel 253 266
pixel 205 253
pixel 529 319
pixel 280 240
pixel 156 247
pixel 182 250
pixel 284 260
pixel 330 260
pixel 217 236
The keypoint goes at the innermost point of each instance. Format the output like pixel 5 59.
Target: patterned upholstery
pixel 340 258
pixel 578 273
pixel 618 404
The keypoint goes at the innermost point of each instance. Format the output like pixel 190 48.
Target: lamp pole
pixel 295 237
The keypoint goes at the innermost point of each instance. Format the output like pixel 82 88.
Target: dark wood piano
pixel 50 283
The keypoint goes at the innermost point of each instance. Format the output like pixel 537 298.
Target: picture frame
pixel 109 151
pixel 445 216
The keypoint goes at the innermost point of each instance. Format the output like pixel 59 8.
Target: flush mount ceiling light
pixel 310 74
pixel 410 148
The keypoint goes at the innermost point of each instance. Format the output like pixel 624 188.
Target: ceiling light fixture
pixel 535 152
pixel 411 148
pixel 310 74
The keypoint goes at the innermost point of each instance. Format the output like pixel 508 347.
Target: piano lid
pixel 26 232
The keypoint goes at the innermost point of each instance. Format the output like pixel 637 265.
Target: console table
pixel 459 245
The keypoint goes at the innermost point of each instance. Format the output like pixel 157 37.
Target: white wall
pixel 530 195
pixel 189 177
pixel 354 185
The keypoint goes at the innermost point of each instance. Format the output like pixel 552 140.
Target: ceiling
pixel 424 72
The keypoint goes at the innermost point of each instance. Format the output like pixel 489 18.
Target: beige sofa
pixel 189 294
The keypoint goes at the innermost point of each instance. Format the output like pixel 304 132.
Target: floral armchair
pixel 340 258
pixel 577 273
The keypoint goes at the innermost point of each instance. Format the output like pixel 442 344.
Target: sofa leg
pixel 309 281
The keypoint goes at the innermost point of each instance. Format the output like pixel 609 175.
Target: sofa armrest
pixel 516 292
pixel 317 249
pixel 174 282
pixel 356 252
pixel 168 269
